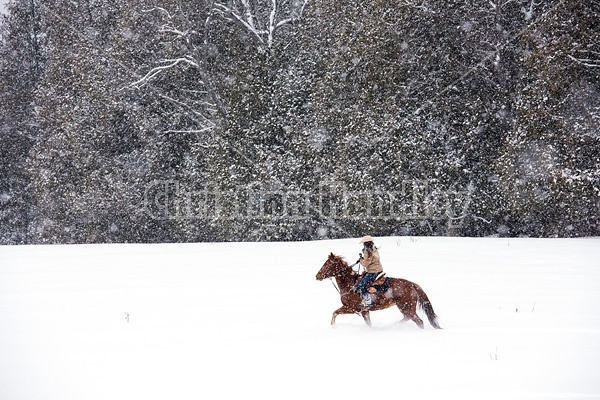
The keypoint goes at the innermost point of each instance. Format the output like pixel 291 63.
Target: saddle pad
pixel 375 287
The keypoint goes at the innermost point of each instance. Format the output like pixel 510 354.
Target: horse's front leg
pixel 367 317
pixel 342 310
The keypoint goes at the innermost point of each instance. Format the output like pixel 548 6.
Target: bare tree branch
pixel 588 62
pixel 248 19
pixel 157 70
pixel 239 19
pixel 159 9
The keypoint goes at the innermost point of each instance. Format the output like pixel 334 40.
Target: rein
pixel 333 283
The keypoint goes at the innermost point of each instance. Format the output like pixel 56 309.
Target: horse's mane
pixel 339 261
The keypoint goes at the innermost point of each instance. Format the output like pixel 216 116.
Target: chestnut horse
pixel 406 295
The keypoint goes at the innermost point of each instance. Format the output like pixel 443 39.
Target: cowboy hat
pixel 366 239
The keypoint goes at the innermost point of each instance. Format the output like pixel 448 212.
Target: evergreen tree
pixel 286 120
pixel 22 61
pixel 550 164
pixel 96 156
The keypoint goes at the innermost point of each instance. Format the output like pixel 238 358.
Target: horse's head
pixel 334 266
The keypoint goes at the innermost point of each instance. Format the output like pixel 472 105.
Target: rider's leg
pixel 366 281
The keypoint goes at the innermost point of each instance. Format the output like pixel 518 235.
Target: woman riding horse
pixel 369 259
pixel 404 294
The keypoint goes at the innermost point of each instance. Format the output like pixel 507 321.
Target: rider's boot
pixel 366 300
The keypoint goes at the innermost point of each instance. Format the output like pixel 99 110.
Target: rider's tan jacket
pixel 371 263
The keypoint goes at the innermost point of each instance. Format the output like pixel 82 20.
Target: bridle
pixel 338 273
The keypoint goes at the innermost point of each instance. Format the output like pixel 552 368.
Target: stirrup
pixel 366 301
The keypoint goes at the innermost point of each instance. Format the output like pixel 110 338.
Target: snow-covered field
pixel 249 320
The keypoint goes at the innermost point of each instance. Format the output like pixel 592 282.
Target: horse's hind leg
pixel 409 312
pixel 417 320
pixel 413 317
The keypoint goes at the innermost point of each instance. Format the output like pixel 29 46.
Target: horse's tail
pixel 425 305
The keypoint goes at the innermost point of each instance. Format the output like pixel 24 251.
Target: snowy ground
pixel 249 320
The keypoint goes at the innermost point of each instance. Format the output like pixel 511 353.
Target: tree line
pixel 179 121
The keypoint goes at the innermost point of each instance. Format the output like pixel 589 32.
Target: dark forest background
pixel 177 121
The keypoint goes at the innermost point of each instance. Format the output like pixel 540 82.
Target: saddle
pixel 380 284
